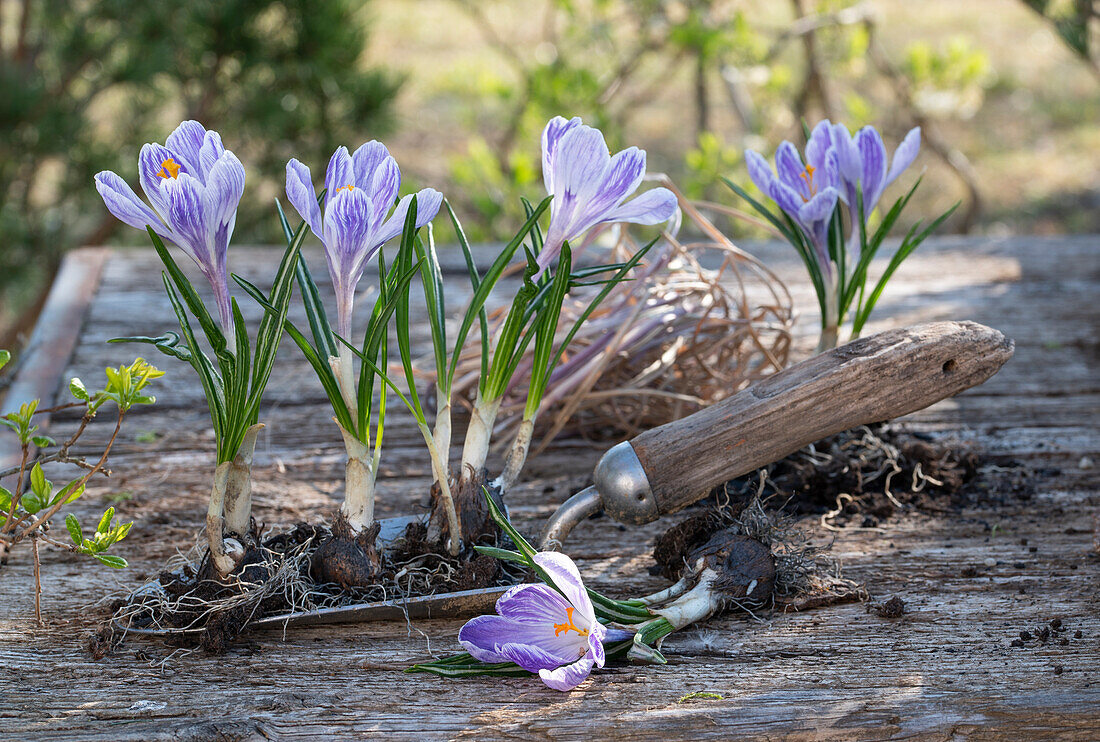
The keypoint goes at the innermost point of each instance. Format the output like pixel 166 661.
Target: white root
pixel 476 447
pixel 359 479
pixel 439 471
pixel 517 455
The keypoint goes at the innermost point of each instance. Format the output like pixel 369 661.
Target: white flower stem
pixel 215 522
pixel 238 485
pixel 345 376
pixel 359 480
pixel 442 432
pixel 475 449
pixel 830 325
pixel 439 471
pixel 517 455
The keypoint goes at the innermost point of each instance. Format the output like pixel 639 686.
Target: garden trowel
pixel 663 470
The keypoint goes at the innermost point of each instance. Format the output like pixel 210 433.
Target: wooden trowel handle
pixel 869 380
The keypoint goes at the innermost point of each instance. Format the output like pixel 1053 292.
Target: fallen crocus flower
pixel 552 632
pixel 194 184
pixel 590 186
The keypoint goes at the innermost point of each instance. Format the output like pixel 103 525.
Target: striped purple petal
pixel 125 205
pixel 568 677
pixel 904 155
pixel 339 174
pixel 652 207
pixel 225 186
pixel 566 578
pixel 872 153
pixel 428 201
pixel 790 168
pixel 759 171
pixel 819 144
pixel 186 143
pixel 486 636
pixel 820 207
pixel 210 152
pixel 551 135
pixel 302 196
pixel 157 163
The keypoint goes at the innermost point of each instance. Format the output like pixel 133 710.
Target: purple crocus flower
pixel 590 186
pixel 806 189
pixel 360 190
pixel 194 185
pixel 863 164
pixel 542 630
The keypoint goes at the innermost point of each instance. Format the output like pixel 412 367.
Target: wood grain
pixel 873 379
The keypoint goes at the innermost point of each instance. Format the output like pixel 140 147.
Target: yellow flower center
pixel 565 628
pixel 349 187
pixel 169 169
pixel 808 176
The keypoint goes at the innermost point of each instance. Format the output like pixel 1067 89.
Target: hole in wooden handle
pixel 950 365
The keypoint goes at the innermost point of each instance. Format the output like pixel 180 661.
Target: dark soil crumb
pixel 1077 634
pixel 892 608
pixel 968 572
pixel 1016 643
pixel 1058 669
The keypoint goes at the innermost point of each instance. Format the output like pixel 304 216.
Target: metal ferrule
pixel 621 490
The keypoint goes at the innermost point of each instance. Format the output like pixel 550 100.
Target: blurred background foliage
pixel 1007 92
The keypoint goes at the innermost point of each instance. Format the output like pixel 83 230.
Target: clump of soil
pixel 892 608
pixel 305 569
pixel 864 475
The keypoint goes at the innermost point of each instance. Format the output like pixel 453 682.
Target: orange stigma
pixel 808 176
pixel 564 628
pixel 168 169
pixel 349 187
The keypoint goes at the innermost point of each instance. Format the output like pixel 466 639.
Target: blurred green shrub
pixel 83 81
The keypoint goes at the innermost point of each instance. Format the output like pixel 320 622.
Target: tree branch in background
pixel 813 85
pixel 953 157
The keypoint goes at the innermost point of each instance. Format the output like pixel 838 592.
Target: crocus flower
pixel 542 630
pixel 590 186
pixel 806 189
pixel 194 185
pixel 863 164
pixel 360 190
